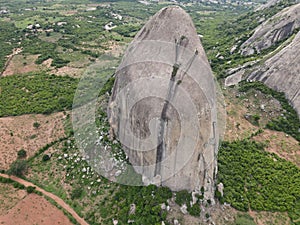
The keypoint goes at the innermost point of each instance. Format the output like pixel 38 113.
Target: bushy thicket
pixel 258 180
pixel 36 93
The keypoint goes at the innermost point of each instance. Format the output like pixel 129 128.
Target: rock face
pixel 277 28
pixel 163 105
pixel 282 72
pixel 268 4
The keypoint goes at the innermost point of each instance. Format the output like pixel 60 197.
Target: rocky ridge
pixel 276 29
pixel 163 105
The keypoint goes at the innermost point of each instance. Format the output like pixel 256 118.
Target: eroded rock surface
pixel 163 105
pixel 282 72
pixel 277 28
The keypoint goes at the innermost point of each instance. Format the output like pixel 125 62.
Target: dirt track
pixel 58 200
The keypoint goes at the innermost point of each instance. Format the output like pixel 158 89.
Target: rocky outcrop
pixel 282 72
pixel 268 4
pixel 163 105
pixel 277 28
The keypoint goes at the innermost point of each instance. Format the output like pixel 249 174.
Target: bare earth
pixel 9 197
pixel 237 127
pixel 18 132
pixel 20 64
pixel 283 145
pixel 263 218
pixel 70 71
pixel 58 200
pixel 34 209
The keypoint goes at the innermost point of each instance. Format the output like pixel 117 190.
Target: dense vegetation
pixel 289 122
pixel 8 40
pixel 147 201
pixel 258 180
pixel 36 93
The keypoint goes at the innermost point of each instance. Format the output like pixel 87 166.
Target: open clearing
pixel 21 64
pixel 9 197
pixel 34 209
pixel 283 145
pixel 19 133
pixel 237 127
pixel 263 218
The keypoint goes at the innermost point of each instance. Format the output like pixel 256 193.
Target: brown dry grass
pixel 18 132
pixel 115 49
pixel 34 209
pixel 283 145
pixel 263 218
pixel 21 64
pixel 70 71
pixel 237 127
pixel 9 197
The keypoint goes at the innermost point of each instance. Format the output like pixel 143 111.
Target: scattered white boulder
pixel 183 209
pixel 176 222
pixel 132 209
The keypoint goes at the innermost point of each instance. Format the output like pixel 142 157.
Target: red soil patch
pixel 34 209
pixel 18 132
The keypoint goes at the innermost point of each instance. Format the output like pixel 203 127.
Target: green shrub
pixel 18 167
pixel 244 219
pixel 183 197
pixel 194 210
pixel 36 125
pixel 30 189
pixel 46 157
pixel 36 93
pixel 76 193
pixel 255 178
pixel 22 154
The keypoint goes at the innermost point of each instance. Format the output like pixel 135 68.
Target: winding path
pixel 58 200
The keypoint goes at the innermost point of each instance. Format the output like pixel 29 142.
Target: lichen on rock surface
pixel 163 106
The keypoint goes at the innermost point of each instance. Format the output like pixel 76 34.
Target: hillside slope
pixel 276 29
pixel 282 72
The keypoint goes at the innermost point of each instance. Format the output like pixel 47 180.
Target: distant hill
pixel 275 29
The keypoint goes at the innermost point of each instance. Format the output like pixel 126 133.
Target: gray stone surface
pixel 277 28
pixel 163 105
pixel 268 4
pixel 282 72
pixel 234 79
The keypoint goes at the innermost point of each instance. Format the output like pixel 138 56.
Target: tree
pixel 76 193
pixel 18 167
pixel 30 189
pixel 22 154
pixel 36 125
pixel 46 157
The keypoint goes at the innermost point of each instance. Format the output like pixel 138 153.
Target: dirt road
pixel 58 200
